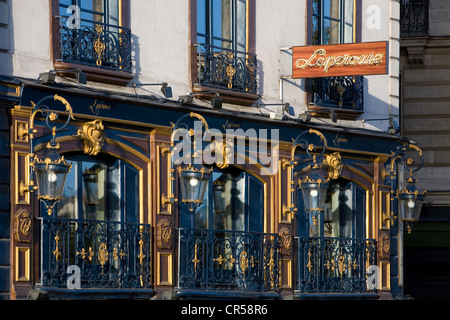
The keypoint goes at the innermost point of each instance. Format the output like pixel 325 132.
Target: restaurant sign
pixel 351 59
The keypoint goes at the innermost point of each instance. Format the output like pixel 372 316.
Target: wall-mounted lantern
pixel 51 170
pixel 410 197
pixel 312 184
pixel 193 175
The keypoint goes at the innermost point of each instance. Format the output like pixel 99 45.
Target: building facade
pixel 424 65
pixel 123 89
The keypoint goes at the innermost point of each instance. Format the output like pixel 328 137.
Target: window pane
pixel 113 13
pixel 241 25
pixel 331 32
pixel 201 21
pixel 67 207
pixel 94 183
pixel 221 17
pixel 332 9
pixel 348 21
pixel 316 7
pixel 316 30
pixel 114 194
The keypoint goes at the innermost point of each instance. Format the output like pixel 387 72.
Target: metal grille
pixel 109 254
pixel 414 18
pixel 224 68
pixel 334 264
pixel 96 44
pixel 228 260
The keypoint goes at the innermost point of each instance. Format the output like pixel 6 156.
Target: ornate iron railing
pixel 334 265
pixel 414 18
pixel 96 44
pixel 108 254
pixel 340 92
pixel 225 68
pixel 233 260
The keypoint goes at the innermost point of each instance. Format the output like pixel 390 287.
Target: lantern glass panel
pixel 51 180
pixel 193 187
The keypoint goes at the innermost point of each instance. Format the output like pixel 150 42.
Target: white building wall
pixel 161 52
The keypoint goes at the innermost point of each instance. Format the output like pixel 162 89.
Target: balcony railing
pixel 108 254
pixel 227 69
pixel 334 265
pixel 96 44
pixel 228 260
pixel 339 92
pixel 414 18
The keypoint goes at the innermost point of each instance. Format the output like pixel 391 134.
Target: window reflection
pixel 100 190
pixel 234 201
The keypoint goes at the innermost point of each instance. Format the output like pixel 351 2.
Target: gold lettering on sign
pixel 321 60
pixel 96 107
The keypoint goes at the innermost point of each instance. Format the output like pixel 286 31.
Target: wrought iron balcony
pixel 413 18
pixel 228 260
pixel 96 44
pixel 334 265
pixel 228 69
pixel 339 92
pixel 109 254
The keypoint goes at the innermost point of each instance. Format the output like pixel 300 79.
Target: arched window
pixel 100 188
pixel 234 201
pixel 344 216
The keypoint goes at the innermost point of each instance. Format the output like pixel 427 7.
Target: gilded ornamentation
pixel 93 137
pixel 243 262
pixel 164 234
pixel 117 254
pixel 23 226
pixel 99 46
pixel 385 246
pixel 310 265
pixel 231 71
pixel 57 253
pixel 141 254
pixel 102 254
pixel 286 241
pixel 195 260
pixel 334 165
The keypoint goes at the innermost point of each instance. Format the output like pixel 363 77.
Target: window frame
pixel 107 161
pixel 326 111
pixel 117 77
pixel 207 92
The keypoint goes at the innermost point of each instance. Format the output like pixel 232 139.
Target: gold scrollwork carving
pixel 334 165
pixel 385 246
pixel 99 46
pixel 286 241
pixel 231 71
pixel 23 226
pixel 93 137
pixel 102 254
pixel 164 234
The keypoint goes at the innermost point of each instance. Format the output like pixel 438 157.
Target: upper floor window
pixel 233 201
pixel 93 37
pixel 91 12
pixel 414 18
pixel 222 23
pixel 100 189
pixel 344 215
pixel 223 37
pixel 334 22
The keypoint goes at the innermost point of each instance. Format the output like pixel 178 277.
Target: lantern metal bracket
pixel 400 156
pixel 182 128
pixel 51 120
pixel 313 152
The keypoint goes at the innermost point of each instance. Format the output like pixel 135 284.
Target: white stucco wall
pixel 161 37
